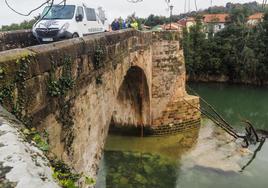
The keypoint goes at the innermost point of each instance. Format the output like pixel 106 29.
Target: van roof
pixel 79 2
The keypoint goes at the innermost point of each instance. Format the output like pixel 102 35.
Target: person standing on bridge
pixel 123 24
pixel 115 25
pixel 134 24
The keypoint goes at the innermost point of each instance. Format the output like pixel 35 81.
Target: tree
pixel 238 51
pixel 24 25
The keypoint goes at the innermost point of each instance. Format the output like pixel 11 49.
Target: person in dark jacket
pixel 115 25
pixel 122 23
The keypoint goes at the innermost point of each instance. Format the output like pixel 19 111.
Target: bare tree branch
pixel 29 13
pixel 134 1
pixel 47 2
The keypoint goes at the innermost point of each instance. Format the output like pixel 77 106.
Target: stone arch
pixel 132 106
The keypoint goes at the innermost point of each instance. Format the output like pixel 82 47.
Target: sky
pixel 113 8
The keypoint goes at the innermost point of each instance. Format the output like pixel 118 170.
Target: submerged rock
pixel 216 151
pixel 215 170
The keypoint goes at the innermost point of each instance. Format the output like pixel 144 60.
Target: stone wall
pixel 16 39
pixel 174 110
pixel 179 116
pixel 168 71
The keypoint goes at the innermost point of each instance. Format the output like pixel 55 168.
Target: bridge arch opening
pixel 132 109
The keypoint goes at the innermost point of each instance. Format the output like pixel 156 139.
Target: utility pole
pixel 185 6
pixel 171 8
pixel 189 6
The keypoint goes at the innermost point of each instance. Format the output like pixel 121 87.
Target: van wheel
pixel 75 35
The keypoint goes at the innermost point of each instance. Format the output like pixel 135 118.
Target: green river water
pixel 206 158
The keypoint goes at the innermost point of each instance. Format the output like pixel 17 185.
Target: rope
pixel 254 155
pixel 212 108
pixel 213 120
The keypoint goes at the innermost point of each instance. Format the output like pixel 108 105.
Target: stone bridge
pixel 74 90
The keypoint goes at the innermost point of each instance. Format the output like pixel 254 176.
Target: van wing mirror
pixel 79 18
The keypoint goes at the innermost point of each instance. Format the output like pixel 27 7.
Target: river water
pixel 199 159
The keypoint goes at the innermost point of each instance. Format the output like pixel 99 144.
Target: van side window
pixel 80 11
pixel 91 15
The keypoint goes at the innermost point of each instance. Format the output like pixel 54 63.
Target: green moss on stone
pixel 99 57
pixel 2 72
pixel 59 87
pixel 14 55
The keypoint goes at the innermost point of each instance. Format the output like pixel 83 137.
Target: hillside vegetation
pixel 239 52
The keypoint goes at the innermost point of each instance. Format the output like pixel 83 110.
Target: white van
pixel 71 20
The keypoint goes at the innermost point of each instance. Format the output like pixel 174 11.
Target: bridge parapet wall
pixel 28 71
pixel 16 39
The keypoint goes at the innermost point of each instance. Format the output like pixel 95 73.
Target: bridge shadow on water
pixel 174 161
pixel 133 161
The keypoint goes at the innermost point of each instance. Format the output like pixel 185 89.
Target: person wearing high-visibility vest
pixel 134 24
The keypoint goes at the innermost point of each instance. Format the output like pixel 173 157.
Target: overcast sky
pixel 114 8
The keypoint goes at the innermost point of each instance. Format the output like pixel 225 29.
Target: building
pixel 172 26
pixel 187 22
pixel 190 21
pixel 145 27
pixel 157 28
pixel 254 19
pixel 215 22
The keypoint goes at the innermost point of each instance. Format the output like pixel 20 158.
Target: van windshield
pixel 58 12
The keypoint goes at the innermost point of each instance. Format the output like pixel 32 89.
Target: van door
pixel 81 24
pixel 93 23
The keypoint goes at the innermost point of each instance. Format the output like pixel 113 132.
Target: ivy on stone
pixel 33 135
pixel 2 72
pixel 16 101
pixel 61 86
pixel 99 80
pixel 6 93
pixel 99 57
pixel 66 177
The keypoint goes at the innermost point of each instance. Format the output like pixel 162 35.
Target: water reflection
pixel 170 161
pixel 143 162
pixel 205 159
pixel 236 102
pixel 133 169
pixel 172 146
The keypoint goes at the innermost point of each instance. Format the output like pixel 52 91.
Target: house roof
pixel 256 16
pixel 174 26
pixel 218 18
pixel 183 22
pixel 190 19
pixel 145 26
pixel 157 28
